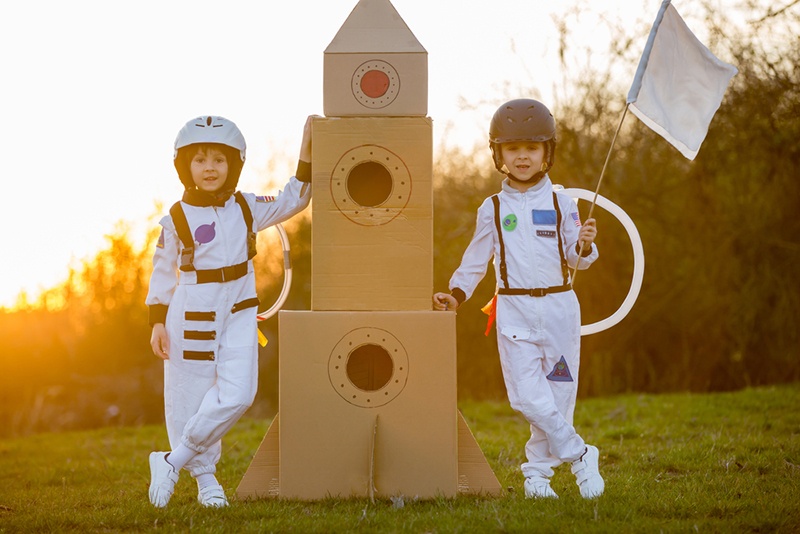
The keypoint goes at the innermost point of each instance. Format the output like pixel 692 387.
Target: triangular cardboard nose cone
pixel 375 66
pixel 374 26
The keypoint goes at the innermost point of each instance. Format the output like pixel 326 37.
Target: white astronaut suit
pixel 538 336
pixel 211 376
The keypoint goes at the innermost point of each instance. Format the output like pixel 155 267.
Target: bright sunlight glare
pixel 94 93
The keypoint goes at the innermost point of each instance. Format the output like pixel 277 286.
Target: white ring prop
pixel 638 260
pixel 287 276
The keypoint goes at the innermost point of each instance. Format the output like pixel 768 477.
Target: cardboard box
pixel 372 231
pixel 368 404
pixel 375 66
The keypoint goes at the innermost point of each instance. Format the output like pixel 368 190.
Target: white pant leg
pixel 204 399
pixel 231 395
pixel 540 385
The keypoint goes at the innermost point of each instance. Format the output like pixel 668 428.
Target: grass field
pixel 727 462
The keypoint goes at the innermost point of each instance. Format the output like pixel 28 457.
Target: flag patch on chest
pixel 560 372
pixel 542 217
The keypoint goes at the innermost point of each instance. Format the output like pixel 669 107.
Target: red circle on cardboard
pixel 374 83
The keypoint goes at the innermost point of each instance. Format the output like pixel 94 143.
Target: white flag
pixel 679 84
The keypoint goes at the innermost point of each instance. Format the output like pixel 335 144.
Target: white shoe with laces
pixel 587 473
pixel 539 488
pixel 212 496
pixel 162 479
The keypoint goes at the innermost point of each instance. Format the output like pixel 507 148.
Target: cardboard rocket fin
pixel 475 475
pixel 262 478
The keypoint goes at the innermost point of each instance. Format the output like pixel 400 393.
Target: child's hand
pixel 305 146
pixel 444 302
pixel 587 233
pixel 159 341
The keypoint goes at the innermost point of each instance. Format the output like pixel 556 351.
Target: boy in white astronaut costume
pixel 203 303
pixel 535 235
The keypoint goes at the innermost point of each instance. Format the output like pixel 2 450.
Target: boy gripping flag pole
pixel 677 88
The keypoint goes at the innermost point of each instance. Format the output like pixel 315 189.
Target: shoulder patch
pixel 576 218
pixel 264 198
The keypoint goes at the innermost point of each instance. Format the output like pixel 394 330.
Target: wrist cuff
pixel 459 295
pixel 303 171
pixel 158 314
pixel 586 250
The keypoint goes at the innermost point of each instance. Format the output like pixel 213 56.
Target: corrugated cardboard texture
pixel 375 66
pixel 372 231
pixel 475 475
pixel 328 421
pixel 262 477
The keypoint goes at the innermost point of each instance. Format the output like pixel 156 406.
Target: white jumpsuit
pixel 211 376
pixel 538 337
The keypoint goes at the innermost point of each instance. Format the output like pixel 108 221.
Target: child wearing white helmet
pixel 202 299
pixel 534 234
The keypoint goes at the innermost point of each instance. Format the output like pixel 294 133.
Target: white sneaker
pixel 587 473
pixel 539 488
pixel 212 496
pixel 162 479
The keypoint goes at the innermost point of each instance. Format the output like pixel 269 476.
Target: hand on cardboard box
pixel 444 302
pixel 305 145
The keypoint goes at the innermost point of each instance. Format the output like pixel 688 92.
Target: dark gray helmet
pixel 523 119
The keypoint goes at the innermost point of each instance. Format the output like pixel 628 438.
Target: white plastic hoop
pixel 287 276
pixel 638 260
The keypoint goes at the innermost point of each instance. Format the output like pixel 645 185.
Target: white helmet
pixel 209 129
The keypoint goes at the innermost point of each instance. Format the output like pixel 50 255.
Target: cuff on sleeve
pixel 158 314
pixel 303 171
pixel 586 250
pixel 459 295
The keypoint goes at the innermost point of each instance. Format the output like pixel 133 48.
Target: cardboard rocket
pixel 367 379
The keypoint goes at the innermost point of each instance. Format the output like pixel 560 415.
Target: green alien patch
pixel 509 222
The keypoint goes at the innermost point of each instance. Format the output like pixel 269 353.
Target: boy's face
pixel 209 169
pixel 523 159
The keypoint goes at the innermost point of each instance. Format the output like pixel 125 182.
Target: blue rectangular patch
pixel 544 217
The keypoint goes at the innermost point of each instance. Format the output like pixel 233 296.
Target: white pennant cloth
pixel 679 84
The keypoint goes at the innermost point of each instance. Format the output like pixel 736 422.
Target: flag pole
pixel 597 189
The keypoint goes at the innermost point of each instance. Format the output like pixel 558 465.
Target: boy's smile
pixel 209 170
pixel 523 159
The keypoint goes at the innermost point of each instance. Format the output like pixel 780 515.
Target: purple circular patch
pixel 205 233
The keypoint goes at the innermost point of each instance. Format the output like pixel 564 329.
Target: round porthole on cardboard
pixel 368 367
pixel 375 84
pixel 370 185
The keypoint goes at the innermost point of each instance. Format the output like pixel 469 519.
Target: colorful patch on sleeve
pixel 576 218
pixel 161 239
pixel 560 372
pixel 264 198
pixel 509 222
pixel 544 217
